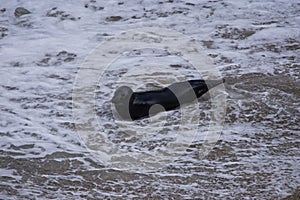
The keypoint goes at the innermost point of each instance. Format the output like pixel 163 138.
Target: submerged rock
pixel 21 11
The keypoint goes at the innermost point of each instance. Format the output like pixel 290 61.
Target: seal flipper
pixel 200 87
pixel 213 83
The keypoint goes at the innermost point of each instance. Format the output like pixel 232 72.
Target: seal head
pixel 121 100
pixel 122 95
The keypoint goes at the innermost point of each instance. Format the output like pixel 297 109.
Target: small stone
pixel 69 59
pixel 21 11
pixel 62 53
pixel 3 10
pixel 189 4
pixel 113 18
pixel 2 29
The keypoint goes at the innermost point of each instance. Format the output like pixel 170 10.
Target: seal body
pixel 136 105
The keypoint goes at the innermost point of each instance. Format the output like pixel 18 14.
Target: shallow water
pixel 255 46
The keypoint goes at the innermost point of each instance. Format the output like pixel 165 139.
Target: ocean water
pixel 254 45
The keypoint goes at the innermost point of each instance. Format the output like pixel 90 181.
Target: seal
pixel 136 105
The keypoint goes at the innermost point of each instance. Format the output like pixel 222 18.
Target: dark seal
pixel 136 105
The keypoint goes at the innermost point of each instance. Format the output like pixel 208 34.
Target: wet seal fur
pixel 136 105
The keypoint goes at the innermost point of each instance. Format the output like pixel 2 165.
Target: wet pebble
pixel 113 18
pixel 3 32
pixel 21 11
